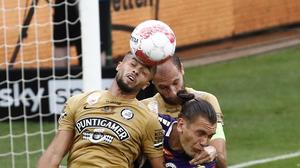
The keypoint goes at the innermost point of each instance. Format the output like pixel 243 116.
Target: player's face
pixel 168 80
pixel 195 136
pixel 132 76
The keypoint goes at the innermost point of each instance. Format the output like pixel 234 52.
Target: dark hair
pixel 193 107
pixel 176 61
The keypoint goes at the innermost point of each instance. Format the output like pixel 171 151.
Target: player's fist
pixel 205 156
pixel 212 152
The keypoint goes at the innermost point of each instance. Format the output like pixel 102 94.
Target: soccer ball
pixel 153 42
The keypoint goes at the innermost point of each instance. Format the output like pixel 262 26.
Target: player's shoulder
pixel 142 106
pixel 86 97
pixel 202 94
pixel 150 99
pixel 152 103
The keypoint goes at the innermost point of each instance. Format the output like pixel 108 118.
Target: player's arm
pixel 153 142
pixel 63 139
pixel 220 145
pixel 157 162
pixel 56 150
pixel 219 142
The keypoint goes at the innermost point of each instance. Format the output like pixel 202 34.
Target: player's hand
pixel 207 155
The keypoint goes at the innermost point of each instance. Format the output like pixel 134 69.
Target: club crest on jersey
pixel 127 114
pixel 101 123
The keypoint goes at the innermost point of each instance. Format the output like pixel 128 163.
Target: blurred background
pixel 246 52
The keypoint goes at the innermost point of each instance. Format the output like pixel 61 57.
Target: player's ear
pixel 118 66
pixel 146 85
pixel 180 124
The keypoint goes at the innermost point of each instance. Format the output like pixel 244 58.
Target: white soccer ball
pixel 153 42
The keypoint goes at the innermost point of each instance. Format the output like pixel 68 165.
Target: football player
pixel 168 80
pixel 108 128
pixel 190 134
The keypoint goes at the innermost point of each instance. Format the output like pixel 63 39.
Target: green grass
pixel 259 97
pixel 17 144
pixel 290 163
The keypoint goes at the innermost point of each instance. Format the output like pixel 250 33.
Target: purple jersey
pixel 173 158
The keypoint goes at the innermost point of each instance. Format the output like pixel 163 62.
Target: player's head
pixel 196 123
pixel 133 75
pixel 168 79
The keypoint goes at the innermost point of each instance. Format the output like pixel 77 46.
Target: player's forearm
pixel 219 142
pixel 221 161
pixel 158 162
pixel 220 145
pixel 221 158
pixel 57 150
pixel 49 160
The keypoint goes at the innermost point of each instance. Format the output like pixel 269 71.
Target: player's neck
pixel 117 92
pixel 174 140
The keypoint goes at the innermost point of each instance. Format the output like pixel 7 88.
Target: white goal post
pixel 91 51
pixel 33 88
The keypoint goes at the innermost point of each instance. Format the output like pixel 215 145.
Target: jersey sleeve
pixel 153 138
pixel 219 132
pixel 215 103
pixel 212 99
pixel 66 120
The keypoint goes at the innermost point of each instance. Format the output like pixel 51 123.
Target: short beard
pixel 124 87
pixel 173 101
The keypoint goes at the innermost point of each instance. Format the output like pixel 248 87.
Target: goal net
pixel 39 69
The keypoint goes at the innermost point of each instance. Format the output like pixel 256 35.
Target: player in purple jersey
pixel 189 134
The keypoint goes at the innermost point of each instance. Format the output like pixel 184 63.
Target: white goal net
pixel 40 67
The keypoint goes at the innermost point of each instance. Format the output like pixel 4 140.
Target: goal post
pixel 91 62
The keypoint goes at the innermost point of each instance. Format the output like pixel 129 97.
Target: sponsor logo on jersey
pixel 219 118
pixel 158 138
pixel 98 122
pixel 86 107
pixel 127 114
pixel 170 165
pixel 164 121
pixel 97 136
pixel 62 116
pixel 113 102
pixel 102 109
pixel 63 113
